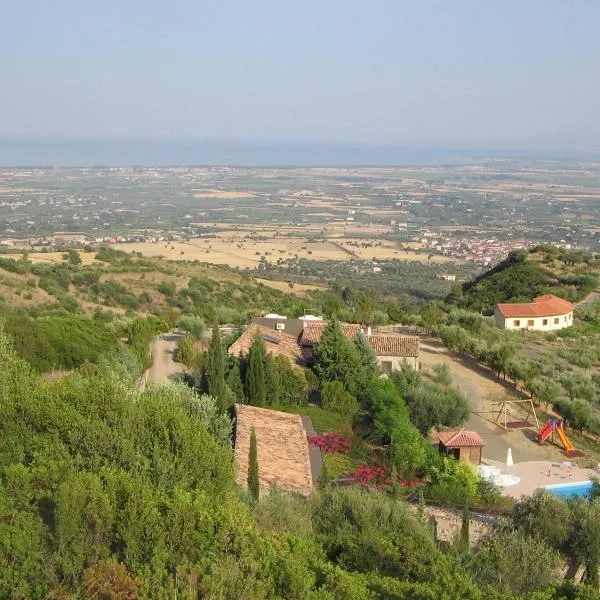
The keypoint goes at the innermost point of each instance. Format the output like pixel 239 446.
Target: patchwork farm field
pixel 248 250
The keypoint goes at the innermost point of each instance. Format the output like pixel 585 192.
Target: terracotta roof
pixel 394 345
pixel 460 439
pixel 276 343
pixel 382 345
pixel 547 305
pixel 282 449
pixel 313 331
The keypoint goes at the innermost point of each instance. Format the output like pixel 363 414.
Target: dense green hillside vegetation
pixel 109 492
pixel 527 274
pixel 62 315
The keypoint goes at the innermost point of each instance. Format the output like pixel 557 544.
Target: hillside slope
pixel 524 274
pixel 118 282
pixel 63 314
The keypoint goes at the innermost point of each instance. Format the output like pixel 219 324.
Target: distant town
pixel 474 214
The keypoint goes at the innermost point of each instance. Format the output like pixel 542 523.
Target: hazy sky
pixel 392 72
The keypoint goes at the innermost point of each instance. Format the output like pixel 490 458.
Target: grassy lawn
pixel 322 420
pixel 337 464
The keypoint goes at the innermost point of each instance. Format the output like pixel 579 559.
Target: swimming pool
pixel 569 491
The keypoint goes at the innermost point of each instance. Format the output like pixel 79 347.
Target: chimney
pixel 369 331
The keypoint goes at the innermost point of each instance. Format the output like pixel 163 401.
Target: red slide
pixel 544 432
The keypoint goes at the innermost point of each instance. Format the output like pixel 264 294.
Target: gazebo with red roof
pixel 465 446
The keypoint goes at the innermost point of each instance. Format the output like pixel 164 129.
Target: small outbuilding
pixel 465 446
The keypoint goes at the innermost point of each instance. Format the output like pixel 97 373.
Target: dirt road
pixel 483 391
pixel 163 367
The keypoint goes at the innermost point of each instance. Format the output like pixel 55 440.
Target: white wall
pixel 533 323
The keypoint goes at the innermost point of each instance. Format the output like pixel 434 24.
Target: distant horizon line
pixel 87 152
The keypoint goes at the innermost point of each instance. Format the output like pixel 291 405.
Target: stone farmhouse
pixel 545 313
pixel 295 339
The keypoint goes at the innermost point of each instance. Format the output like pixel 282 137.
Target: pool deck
pixel 534 474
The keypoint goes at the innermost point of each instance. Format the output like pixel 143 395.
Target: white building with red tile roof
pixel 545 313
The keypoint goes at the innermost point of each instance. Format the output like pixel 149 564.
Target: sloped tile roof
pixel 313 331
pixel 547 305
pixel 276 343
pixel 382 345
pixel 460 439
pixel 282 449
pixel 394 345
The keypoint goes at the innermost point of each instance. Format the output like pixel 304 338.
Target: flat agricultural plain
pixel 244 252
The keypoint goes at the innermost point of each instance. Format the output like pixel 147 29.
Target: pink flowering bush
pixel 377 477
pixel 330 442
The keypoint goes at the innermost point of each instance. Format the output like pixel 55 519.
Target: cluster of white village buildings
pixel 483 251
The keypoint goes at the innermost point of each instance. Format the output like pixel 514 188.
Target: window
pixel 565 318
pixel 545 322
pixel 517 323
pixel 530 323
pixel 386 366
pixel 556 320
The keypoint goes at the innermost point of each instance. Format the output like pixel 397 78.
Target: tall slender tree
pixel 253 480
pixel 215 370
pixel 255 375
pixel 463 539
pixel 367 360
pixel 336 357
pixel 234 380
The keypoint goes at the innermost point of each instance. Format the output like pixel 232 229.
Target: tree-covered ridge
pixel 127 282
pixel 523 275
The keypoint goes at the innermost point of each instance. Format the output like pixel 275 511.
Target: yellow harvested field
pixel 284 286
pixel 238 252
pixel 390 252
pixel 87 258
pixel 245 249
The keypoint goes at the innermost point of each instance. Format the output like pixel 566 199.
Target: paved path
pixel 163 366
pixel 589 299
pixel 483 391
pixel 539 473
pixel 314 454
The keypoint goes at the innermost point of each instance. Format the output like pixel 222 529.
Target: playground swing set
pixel 544 433
pixel 503 409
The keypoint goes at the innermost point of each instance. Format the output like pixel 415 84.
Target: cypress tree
pixel 462 543
pixel 336 358
pixel 215 370
pixel 367 361
pixel 255 375
pixel 234 381
pixel 272 381
pixel 253 481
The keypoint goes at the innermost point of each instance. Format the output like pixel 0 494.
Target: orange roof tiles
pixel 547 305
pixel 382 345
pixel 460 439
pixel 276 343
pixel 392 345
pixel 313 331
pixel 282 448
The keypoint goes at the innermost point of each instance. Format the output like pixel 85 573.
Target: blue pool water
pixel 571 490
